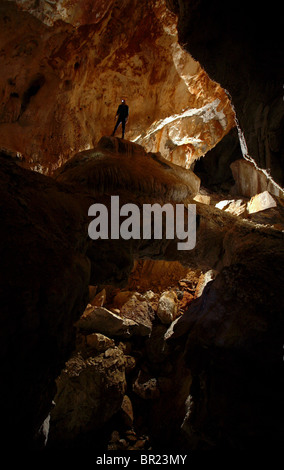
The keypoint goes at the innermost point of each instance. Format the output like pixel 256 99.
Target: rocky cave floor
pixel 136 365
pixel 122 375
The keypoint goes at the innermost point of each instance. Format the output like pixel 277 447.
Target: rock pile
pixel 120 367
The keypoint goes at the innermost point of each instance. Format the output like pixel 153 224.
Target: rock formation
pixel 122 341
pixel 240 48
pixel 67 66
pixel 44 284
pixel 52 217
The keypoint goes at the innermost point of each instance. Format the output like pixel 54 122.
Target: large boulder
pixel 167 307
pixel 102 320
pixel 233 337
pixel 89 392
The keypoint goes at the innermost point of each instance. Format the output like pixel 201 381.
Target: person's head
pixel 123 101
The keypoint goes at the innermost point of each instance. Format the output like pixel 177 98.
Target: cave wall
pixel 234 330
pixel 214 168
pixel 65 68
pixel 233 348
pixel 48 262
pixel 240 47
pixel 43 286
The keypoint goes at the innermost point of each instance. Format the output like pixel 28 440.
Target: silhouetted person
pixel 122 117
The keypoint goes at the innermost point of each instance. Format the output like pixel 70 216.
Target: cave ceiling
pixel 66 65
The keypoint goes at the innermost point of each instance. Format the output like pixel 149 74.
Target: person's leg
pixel 123 127
pixel 116 126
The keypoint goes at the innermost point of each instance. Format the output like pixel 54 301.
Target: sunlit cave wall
pixel 241 46
pixel 66 66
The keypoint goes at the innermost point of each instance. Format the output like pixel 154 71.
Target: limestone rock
pixel 127 411
pixel 261 202
pixel 273 217
pixel 203 281
pixel 167 307
pixel 114 437
pixel 146 387
pixel 240 62
pixel 99 299
pixel 235 207
pixel 87 170
pixel 202 198
pixel 157 350
pixel 99 342
pixel 121 298
pixel 45 114
pixel 234 330
pixel 181 137
pixel 226 345
pixel 130 363
pixel 125 346
pixel 150 273
pixel 149 296
pixel 186 299
pixel 47 216
pixel 138 311
pixel 89 392
pixel 102 320
pixel 250 181
pixel 43 291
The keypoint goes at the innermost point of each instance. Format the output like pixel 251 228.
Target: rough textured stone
pixel 233 345
pixel 102 320
pixel 88 170
pixel 167 307
pixel 261 202
pixel 250 181
pixel 231 45
pixel 89 392
pixel 202 198
pixel 44 281
pixel 52 280
pixel 155 276
pixel 127 411
pixel 99 342
pixel 138 311
pixel 146 387
pixel 99 299
pixel 90 57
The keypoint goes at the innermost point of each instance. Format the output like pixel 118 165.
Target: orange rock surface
pixel 66 65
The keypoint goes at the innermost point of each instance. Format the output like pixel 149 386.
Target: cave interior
pixel 116 343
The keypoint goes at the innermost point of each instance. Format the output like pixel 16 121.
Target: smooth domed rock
pixel 167 307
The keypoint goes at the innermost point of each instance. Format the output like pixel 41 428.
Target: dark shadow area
pixel 35 85
pixel 214 168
